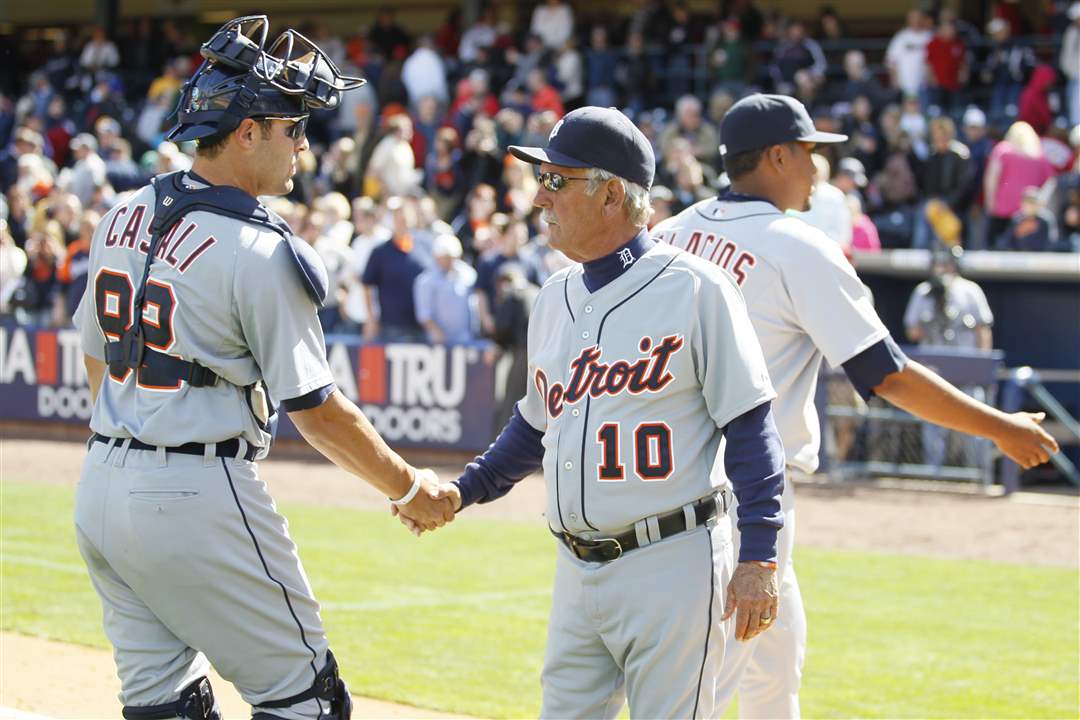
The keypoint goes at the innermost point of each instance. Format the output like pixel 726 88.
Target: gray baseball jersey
pixel 672 331
pixel 226 294
pixel 221 292
pixel 803 296
pixel 630 386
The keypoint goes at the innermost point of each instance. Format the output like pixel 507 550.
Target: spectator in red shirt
pixel 1035 99
pixel 947 58
pixel 544 96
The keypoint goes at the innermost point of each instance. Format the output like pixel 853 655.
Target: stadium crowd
pixel 958 135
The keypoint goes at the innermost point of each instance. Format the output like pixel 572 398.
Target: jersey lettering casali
pixel 620 379
pixel 213 296
pixel 803 296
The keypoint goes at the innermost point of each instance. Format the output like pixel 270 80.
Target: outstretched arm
pixel 516 453
pixel 341 432
pixel 924 393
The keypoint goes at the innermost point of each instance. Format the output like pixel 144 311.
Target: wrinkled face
pixel 571 215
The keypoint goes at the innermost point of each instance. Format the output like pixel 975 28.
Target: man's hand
pixel 1024 442
pixel 447 491
pixel 431 508
pixel 371 330
pixel 752 592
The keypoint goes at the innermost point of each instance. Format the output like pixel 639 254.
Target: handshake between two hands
pixel 432 507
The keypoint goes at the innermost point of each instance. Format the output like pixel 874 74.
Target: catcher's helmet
pixel 241 78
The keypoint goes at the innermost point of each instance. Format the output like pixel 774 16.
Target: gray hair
pixel 636 200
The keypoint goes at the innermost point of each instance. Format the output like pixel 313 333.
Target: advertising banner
pixel 417 396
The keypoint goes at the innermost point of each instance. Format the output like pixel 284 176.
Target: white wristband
pixel 407 497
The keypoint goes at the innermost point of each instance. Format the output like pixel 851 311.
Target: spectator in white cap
pixel 88 172
pixel 442 294
pixel 1070 64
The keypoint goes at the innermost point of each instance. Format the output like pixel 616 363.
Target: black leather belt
pixel 224 449
pixel 606 549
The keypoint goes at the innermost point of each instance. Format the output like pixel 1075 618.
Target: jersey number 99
pixel 114 296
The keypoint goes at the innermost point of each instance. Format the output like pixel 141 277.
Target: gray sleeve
pixel 729 362
pixel 533 407
pixel 91 337
pixel 830 302
pixel 279 321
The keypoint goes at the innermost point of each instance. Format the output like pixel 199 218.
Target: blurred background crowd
pixel 962 134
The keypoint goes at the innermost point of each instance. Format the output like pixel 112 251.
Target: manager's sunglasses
pixel 554 182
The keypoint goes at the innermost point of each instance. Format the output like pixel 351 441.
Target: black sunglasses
pixel 554 182
pixel 296 130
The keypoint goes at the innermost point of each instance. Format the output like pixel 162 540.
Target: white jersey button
pixel 588 308
pixel 585 334
pixel 575 412
pixel 573 516
pixel 568 465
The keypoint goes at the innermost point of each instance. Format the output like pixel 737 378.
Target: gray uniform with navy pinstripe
pixel 189 556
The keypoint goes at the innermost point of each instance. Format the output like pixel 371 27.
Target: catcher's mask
pixel 241 77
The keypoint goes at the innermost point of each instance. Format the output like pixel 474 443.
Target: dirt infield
pixel 1024 528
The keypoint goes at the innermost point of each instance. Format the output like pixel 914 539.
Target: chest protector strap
pixel 172 202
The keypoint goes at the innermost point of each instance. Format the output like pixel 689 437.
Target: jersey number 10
pixel 652 453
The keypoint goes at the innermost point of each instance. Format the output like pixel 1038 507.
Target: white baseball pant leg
pixel 766 671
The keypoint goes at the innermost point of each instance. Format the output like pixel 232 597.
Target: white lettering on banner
pixel 421 375
pixel 15 357
pixel 72 367
pixel 64 402
pixel 416 424
pixel 339 358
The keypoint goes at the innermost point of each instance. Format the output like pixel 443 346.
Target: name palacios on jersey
pixel 589 376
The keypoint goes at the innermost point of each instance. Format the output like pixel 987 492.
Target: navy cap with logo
pixel 760 121
pixel 596 137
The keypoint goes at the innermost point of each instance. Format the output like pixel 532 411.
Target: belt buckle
pixel 610 547
pixel 616 547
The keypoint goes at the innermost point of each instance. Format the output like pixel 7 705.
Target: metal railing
pixel 868 440
pixel 1016 382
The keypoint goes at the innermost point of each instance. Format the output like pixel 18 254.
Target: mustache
pixel 549 217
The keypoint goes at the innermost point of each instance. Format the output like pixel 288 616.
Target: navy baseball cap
pixel 760 121
pixel 596 137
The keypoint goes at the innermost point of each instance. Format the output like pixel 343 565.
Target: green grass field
pixel 456 621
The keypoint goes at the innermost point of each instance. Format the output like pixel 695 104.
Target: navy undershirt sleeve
pixel 516 453
pixel 754 462
pixel 869 368
pixel 315 398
